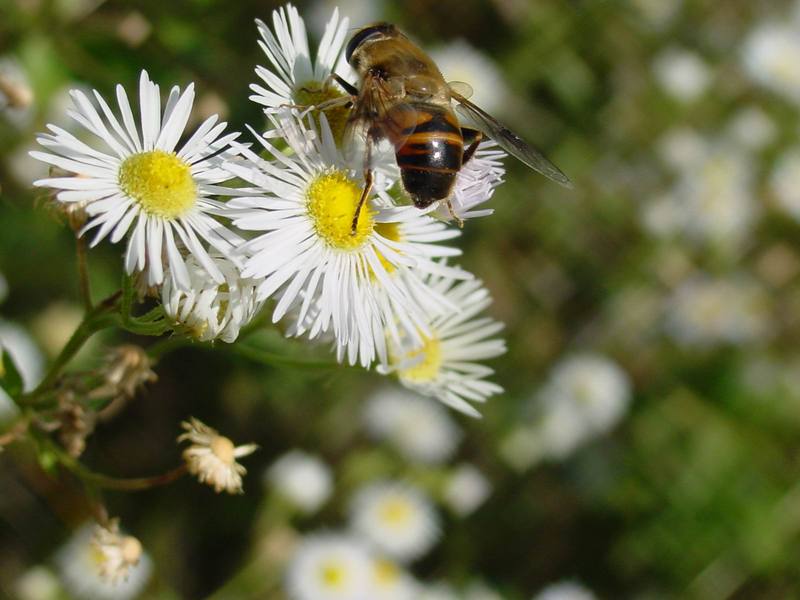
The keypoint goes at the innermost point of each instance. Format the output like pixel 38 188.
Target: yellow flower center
pixel 223 449
pixel 395 512
pixel 160 182
pixel 426 361
pixel 385 572
pixel 314 94
pixel 333 574
pixel 332 200
pixel 391 231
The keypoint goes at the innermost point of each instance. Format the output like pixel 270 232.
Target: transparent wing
pixel 508 140
pixel 461 88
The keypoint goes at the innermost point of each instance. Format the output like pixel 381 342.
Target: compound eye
pixel 363 35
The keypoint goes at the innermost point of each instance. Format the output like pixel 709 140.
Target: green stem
pixel 95 320
pixel 270 358
pixel 83 274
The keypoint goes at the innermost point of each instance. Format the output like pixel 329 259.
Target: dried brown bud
pixel 75 423
pixel 127 368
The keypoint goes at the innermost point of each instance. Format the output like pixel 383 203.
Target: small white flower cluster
pixel 383 292
pixel 769 55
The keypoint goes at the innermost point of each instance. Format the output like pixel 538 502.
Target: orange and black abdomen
pixel 428 150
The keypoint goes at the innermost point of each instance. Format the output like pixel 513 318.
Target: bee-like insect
pixel 404 98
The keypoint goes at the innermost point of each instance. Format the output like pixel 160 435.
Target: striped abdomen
pixel 428 147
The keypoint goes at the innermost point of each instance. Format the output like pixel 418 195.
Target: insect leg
pixel 472 137
pixel 346 86
pixel 367 181
pixel 459 221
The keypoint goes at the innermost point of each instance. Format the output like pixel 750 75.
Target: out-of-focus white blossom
pixel 585 396
pixel 420 428
pixel 37 583
pixel 302 479
pixel 82 563
pixel 681 148
pixel 390 581
pixel 397 519
pixel 466 489
pixel 565 590
pixel 770 57
pixel 27 358
pixel 663 216
pixel 329 567
pixel 683 74
pixel 658 13
pixel 752 129
pixel 703 312
pixel 785 182
pixel 16 94
pixel 53 326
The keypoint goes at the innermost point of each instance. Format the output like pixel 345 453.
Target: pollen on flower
pixel 332 200
pixel 160 182
pixel 314 94
pixel 425 361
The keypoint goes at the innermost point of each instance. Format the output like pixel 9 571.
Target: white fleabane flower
pixel 209 309
pixel 329 567
pixel 565 590
pixel 136 181
pixel 466 489
pixel 293 79
pixel 356 285
pixel 770 57
pixel 682 74
pixel 703 312
pixel 395 518
pixel 785 182
pixel 682 147
pixel 585 396
pixel 302 479
pixel 475 183
pixel 211 457
pixel 389 581
pixel 444 366
pixel 83 565
pixel 752 128
pixel 417 427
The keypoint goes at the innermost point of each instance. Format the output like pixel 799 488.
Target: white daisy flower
pixel 466 489
pixel 293 79
pixel 770 57
pixel 419 428
pixel 683 74
pixel 209 309
pixel 211 457
pixel 565 590
pixel 704 312
pixel 442 366
pixel 396 518
pixel 389 581
pixel 785 182
pixel 585 396
pixel 752 128
pixel 107 566
pixel 329 567
pixel 357 285
pixel 302 479
pixel 137 181
pixel 476 183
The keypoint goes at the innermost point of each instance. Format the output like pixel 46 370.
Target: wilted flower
pixel 75 423
pixel 329 567
pixel 302 479
pixel 396 518
pixel 101 563
pixel 417 427
pixel 210 309
pixel 466 489
pixel 212 457
pixel 785 182
pixel 138 182
pixel 127 369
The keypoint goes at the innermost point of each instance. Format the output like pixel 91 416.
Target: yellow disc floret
pixel 395 512
pixel 314 94
pixel 332 200
pixel 160 182
pixel 333 574
pixel 426 362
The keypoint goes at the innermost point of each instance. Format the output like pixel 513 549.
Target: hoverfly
pixel 404 98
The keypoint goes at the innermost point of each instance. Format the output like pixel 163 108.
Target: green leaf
pixel 10 378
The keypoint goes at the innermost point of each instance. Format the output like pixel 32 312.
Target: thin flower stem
pixel 96 319
pixel 83 273
pixel 271 358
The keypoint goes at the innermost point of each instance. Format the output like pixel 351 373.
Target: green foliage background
pixel 695 494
